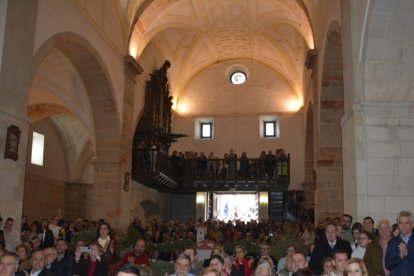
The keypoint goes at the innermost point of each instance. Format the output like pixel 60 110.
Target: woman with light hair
pixel 288 269
pixel 264 269
pixel 355 267
pixel 210 271
pixel 266 260
pixel 229 268
pixel 243 265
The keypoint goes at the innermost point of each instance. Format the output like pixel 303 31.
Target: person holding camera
pixel 93 265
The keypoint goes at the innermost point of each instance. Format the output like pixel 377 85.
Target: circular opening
pixel 238 77
pixel 237 74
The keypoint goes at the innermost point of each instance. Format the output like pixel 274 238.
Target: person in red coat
pixel 243 265
pixel 137 256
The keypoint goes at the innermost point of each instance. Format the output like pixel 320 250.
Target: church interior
pixel 96 96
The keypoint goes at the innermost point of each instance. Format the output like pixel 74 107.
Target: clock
pixel 238 77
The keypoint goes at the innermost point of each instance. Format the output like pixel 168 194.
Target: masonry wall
pixel 44 189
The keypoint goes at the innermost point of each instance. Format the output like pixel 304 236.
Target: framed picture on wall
pixel 12 143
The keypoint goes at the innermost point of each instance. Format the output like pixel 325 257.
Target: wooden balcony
pixel 157 170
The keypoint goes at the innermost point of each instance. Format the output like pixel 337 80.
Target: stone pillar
pixel 76 203
pixel 17 29
pixel 132 69
pixel 329 200
pixel 111 198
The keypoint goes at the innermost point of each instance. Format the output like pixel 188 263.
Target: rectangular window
pixel 270 129
pixel 38 144
pixel 206 130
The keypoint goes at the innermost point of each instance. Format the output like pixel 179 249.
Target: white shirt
pixel 55 230
pixel 358 252
pixel 35 273
pixel 11 240
pixel 332 244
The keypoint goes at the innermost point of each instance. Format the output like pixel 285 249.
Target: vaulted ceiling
pixel 203 39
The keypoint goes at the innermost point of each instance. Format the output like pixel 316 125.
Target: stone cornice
pixel 377 108
pixel 132 67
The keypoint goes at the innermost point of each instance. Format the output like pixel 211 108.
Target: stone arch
pixel 329 198
pixel 97 83
pixel 103 198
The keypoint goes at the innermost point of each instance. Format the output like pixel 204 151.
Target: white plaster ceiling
pixel 58 86
pixel 58 93
pixel 203 38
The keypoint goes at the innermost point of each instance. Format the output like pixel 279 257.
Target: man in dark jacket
pixel 38 262
pixel 399 258
pixel 326 247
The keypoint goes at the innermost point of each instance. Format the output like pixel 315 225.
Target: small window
pixel 38 144
pixel 270 129
pixel 206 130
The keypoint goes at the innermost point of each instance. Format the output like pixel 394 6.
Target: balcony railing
pixel 152 166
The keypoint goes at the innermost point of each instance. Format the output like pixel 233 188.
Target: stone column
pixel 132 69
pixel 17 29
pixel 76 203
pixel 111 197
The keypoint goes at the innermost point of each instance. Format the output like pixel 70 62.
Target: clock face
pixel 238 78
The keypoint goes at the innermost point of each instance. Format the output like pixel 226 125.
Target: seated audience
pixel 137 256
pixel 23 253
pixel 355 267
pixel 182 266
pixel 327 266
pixel 9 264
pixel 46 236
pixel 195 267
pixel 210 271
pixel 63 259
pixel 298 261
pixel 128 270
pixel 93 265
pixel 264 270
pixel 38 262
pixel 339 260
pixel 399 258
pixel 290 249
pixel 241 263
pixel 326 247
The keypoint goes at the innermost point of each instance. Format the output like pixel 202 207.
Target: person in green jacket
pixel 373 255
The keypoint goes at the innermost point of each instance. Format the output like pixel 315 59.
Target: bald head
pixel 384 229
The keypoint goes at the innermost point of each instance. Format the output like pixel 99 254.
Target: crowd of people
pixel 191 164
pixel 201 165
pixel 336 246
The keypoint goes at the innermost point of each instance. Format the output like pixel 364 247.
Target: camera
pixel 85 249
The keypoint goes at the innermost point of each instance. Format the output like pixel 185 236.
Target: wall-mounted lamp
pixel 263 198
pixel 200 198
